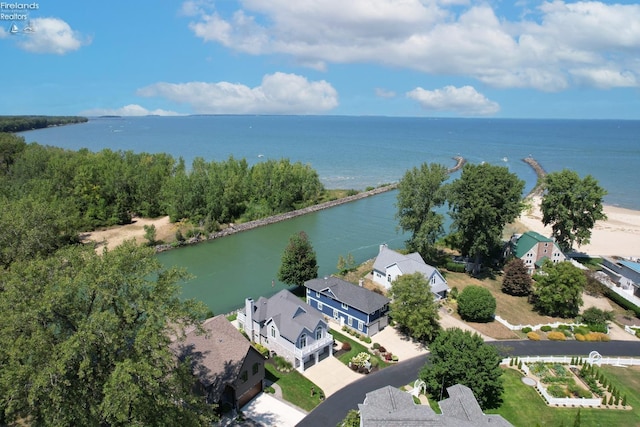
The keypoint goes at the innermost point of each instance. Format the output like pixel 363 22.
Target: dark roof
pixel 353 295
pixel 290 314
pixel 217 354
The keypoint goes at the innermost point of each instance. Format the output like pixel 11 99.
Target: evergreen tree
pixel 516 280
pixel 299 262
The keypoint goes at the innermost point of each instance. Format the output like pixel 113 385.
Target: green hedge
pixel 621 301
pixel 455 267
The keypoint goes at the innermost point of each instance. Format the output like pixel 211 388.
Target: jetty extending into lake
pixel 237 228
pixel 540 172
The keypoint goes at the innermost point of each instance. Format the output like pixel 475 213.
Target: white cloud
pixel 279 93
pixel 384 93
pixel 464 100
pixel 127 110
pixel 51 35
pixel 538 50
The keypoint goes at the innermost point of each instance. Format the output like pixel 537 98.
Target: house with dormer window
pixel 354 306
pixel 390 264
pixel 288 327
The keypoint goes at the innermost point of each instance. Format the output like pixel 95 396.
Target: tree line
pixel 23 123
pixel 49 194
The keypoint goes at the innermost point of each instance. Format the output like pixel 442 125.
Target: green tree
pixel 476 304
pixel 572 206
pixel 84 340
pixel 420 191
pixel 516 279
pixel 558 290
pixel 351 420
pixel 482 201
pixel 413 306
pixel 299 262
pixel 150 234
pixel 594 316
pixel 459 357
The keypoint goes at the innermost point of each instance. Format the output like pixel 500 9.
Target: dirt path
pixel 114 236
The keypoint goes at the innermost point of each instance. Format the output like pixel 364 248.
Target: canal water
pixel 229 269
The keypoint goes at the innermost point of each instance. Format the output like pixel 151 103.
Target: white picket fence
pixel 568 401
pixel 534 327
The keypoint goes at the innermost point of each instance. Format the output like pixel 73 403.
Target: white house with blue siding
pixel 390 264
pixel 354 306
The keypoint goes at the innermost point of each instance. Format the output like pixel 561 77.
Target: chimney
pixel 248 319
pixel 382 246
pixel 360 282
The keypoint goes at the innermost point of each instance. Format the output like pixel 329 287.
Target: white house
pixel 288 327
pixel 390 264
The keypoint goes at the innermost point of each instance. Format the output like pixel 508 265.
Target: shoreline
pixel 618 235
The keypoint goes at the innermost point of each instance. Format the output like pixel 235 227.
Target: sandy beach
pixel 618 235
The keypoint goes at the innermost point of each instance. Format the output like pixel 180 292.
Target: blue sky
pixel 453 58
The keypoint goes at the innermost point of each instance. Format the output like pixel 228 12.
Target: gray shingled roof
pixel 290 314
pixel 408 264
pixel 355 296
pixel 217 355
pixel 391 407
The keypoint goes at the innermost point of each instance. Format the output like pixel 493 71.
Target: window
pixel 336 314
pixel 256 368
pixel 317 294
pixel 350 320
pixel 360 325
pixel 319 333
pixel 303 340
pixel 320 306
pixel 244 376
pixel 345 306
pixel 273 331
pixel 389 278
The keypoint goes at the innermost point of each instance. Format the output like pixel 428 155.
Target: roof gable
pixel 353 295
pixel 527 241
pixel 407 264
pixel 289 313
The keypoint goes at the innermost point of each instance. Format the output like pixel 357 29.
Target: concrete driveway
pixel 331 375
pixel 266 410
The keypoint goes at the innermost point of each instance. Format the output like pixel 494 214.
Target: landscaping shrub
pixel 598 327
pixel 381 349
pixel 623 302
pixel 346 346
pixel 567 333
pixel 579 337
pixel 376 346
pixel 557 391
pixel 556 336
pixel 638 333
pixel 546 328
pixel 564 327
pixel 597 336
pixel 580 330
pixel 533 336
pixel 262 349
pixel 455 267
pixel 526 330
pixel 453 293
pixel 476 304
pixel 394 358
pixel 282 364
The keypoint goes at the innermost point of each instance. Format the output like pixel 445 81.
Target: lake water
pixel 351 152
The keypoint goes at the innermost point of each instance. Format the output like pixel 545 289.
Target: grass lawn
pixel 523 406
pixel 295 387
pixel 356 347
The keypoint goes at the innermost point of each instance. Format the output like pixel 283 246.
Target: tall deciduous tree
pixel 572 206
pixel 413 306
pixel 558 291
pixel 516 280
pixel 420 191
pixel 84 340
pixel 483 200
pixel 458 357
pixel 299 262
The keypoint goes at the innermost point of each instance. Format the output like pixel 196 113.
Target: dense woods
pixel 22 123
pixel 49 194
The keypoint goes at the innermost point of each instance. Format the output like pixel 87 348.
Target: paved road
pixel 335 408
